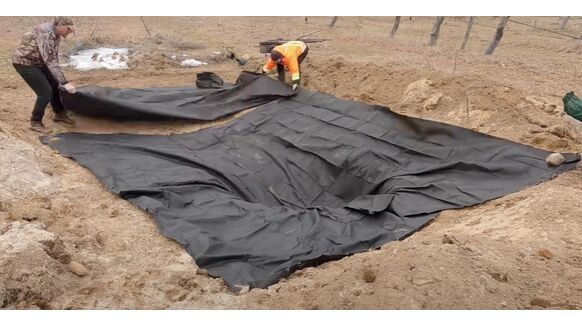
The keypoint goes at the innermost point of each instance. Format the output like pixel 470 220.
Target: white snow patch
pixel 192 63
pixel 108 58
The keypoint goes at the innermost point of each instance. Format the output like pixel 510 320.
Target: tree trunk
pixel 333 20
pixel 564 22
pixel 434 35
pixel 468 32
pixel 395 27
pixel 498 35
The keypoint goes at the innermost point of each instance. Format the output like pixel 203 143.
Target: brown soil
pixel 520 251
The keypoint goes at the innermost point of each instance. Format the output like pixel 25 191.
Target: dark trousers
pixel 281 68
pixel 41 81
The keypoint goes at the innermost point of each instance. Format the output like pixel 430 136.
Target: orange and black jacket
pixel 291 51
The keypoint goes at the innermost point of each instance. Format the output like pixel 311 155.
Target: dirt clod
pixel 545 254
pixel 368 275
pixel 78 269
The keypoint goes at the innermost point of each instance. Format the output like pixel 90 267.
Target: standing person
pixel 287 56
pixel 37 60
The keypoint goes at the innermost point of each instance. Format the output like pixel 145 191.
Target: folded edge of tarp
pixel 189 103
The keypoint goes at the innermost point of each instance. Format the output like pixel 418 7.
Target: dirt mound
pixel 32 265
pixel 156 61
pixel 21 176
pixel 422 94
pixel 472 101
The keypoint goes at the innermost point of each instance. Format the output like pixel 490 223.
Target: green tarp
pixel 573 105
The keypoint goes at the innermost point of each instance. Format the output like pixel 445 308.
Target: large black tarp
pixel 188 102
pixel 303 180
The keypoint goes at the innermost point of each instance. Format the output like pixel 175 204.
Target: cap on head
pixel 275 55
pixel 63 21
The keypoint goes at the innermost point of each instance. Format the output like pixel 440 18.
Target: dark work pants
pixel 44 85
pixel 281 68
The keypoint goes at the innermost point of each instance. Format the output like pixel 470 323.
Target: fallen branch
pixel 308 34
pixel 314 40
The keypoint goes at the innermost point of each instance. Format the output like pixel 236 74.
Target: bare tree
pixel 146 27
pixel 333 20
pixel 564 22
pixel 395 27
pixel 434 34
pixel 498 35
pixel 468 32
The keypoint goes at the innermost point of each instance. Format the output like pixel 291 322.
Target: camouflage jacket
pixel 40 47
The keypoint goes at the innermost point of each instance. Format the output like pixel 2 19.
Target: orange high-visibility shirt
pixel 291 51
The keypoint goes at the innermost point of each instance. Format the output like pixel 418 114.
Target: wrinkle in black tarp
pixel 302 180
pixel 186 103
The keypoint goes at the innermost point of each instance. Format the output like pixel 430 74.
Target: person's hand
pixel 70 88
pixel 295 86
